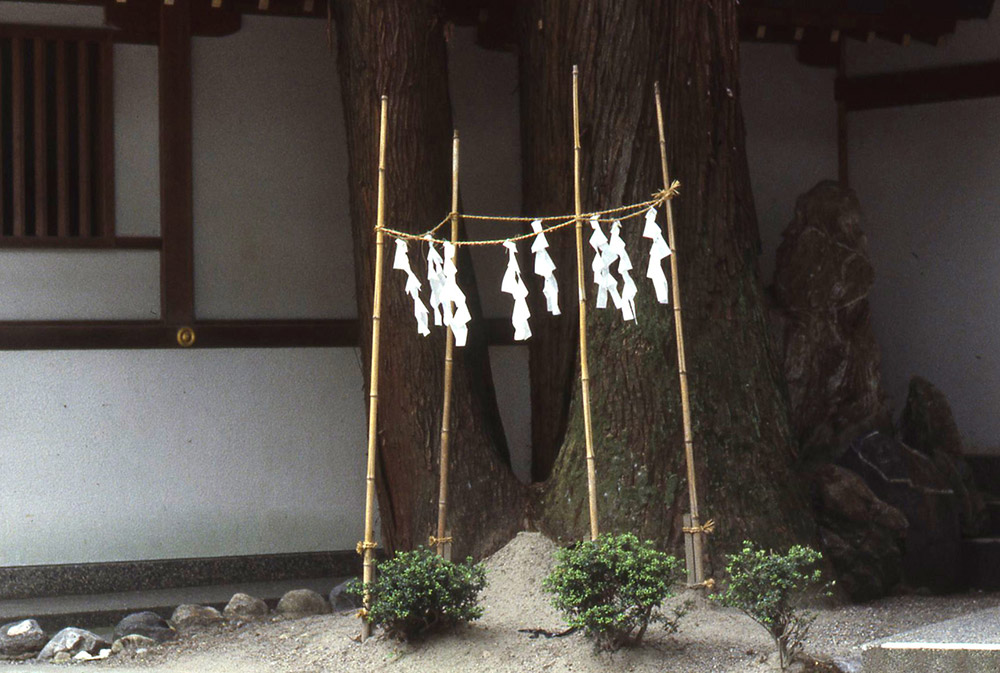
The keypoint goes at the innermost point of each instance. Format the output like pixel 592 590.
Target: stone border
pixel 20 582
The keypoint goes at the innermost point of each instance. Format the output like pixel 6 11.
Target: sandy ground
pixel 711 638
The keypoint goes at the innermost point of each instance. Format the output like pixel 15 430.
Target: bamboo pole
pixel 442 540
pixel 368 546
pixel 584 369
pixel 681 360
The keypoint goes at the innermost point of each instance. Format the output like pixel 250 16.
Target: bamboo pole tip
pixel 385 97
pixel 576 70
pixel 455 135
pixel 656 87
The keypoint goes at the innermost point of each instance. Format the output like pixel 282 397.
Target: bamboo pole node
pixel 362 546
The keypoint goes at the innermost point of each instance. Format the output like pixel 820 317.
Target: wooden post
pixel 368 547
pixel 584 369
pixel 449 349
pixel 697 542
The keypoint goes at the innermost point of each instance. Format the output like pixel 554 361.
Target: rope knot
pixel 668 193
pixel 433 541
pixel 362 546
pixel 362 613
pixel 706 528
pixel 707 584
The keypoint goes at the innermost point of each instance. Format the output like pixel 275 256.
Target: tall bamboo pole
pixel 681 358
pixel 449 348
pixel 584 369
pixel 368 546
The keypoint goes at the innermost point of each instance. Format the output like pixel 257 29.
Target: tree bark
pixel 743 444
pixel 397 48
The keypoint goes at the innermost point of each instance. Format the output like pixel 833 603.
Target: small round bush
pixel 612 587
pixel 770 587
pixel 417 592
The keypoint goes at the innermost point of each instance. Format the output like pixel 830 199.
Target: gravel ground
pixel 711 638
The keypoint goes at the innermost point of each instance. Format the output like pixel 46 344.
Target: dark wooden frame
pixel 176 241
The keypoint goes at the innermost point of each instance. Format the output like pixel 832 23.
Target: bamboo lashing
pixel 369 544
pixel 584 369
pixel 696 530
pixel 441 539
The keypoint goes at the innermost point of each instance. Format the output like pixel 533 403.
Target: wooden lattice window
pixel 56 145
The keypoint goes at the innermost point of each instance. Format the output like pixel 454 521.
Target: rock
pixel 23 637
pixel 928 425
pixel 133 643
pixel 69 642
pixel 187 616
pixel 909 481
pixel 245 606
pixel 147 624
pixel 302 602
pixel 86 656
pixel 822 322
pixel 861 535
pixel 340 601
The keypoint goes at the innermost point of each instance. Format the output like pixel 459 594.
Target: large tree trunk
pixel 743 443
pixel 397 48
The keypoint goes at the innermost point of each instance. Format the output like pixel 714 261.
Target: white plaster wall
pixel 137 141
pixel 928 184
pixel 791 122
pixel 79 284
pixel 271 219
pixel 168 453
pixel 40 13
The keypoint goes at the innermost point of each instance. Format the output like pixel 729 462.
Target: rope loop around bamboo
pixel 706 528
pixel 362 546
pixel 604 216
pixel 434 541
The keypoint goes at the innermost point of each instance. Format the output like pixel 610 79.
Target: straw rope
pixel 631 210
pixel 434 541
pixel 707 527
pixel 362 546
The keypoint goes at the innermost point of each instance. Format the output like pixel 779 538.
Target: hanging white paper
pixel 515 287
pixel 401 262
pixel 601 266
pixel 616 247
pixel 544 267
pixel 451 293
pixel 657 253
pixel 436 280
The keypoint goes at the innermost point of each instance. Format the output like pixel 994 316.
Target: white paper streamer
pixel 401 262
pixel 544 267
pixel 601 266
pixel 616 247
pixel 515 287
pixel 451 293
pixel 657 253
pixel 436 280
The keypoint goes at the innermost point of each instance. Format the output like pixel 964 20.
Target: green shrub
pixel 612 588
pixel 769 587
pixel 417 592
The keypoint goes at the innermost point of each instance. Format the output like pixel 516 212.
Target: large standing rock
pixel 861 535
pixel 20 638
pixel 928 425
pixel 909 481
pixel 302 602
pixel 72 641
pixel 147 624
pixel 822 322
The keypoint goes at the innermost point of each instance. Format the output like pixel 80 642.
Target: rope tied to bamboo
pixel 706 528
pixel 604 216
pixel 362 546
pixel 707 584
pixel 434 541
